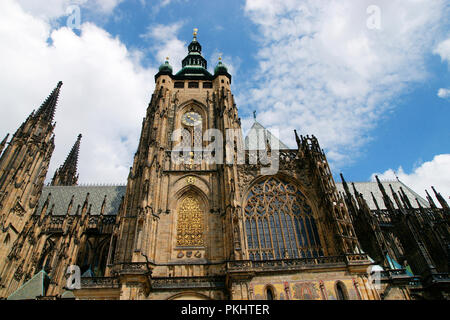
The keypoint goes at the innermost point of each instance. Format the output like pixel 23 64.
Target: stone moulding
pixel 296 264
pixel 163 283
pixel 188 282
pixel 100 283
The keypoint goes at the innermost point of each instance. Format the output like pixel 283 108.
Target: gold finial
pixel 167 58
pixel 195 32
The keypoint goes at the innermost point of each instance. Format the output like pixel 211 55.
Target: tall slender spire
pixel 66 175
pixel 47 110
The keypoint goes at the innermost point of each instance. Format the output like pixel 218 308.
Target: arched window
pixel 85 256
pixel 341 291
pixel 269 293
pixel 46 257
pixel 190 222
pixel 279 223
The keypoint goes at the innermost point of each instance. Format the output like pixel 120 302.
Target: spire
pixel 47 110
pixel 430 200
pixel 405 198
pixel 194 58
pixel 66 175
pixel 297 139
pixel 387 201
pixel 195 34
pixel 3 143
pixel 344 183
pixel 440 198
pixel 195 45
pixel 395 196
pixel 375 201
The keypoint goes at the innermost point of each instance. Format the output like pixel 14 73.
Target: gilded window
pixel 279 222
pixel 190 223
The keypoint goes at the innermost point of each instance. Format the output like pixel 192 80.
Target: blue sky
pixel 369 95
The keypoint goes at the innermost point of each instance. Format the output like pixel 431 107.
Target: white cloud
pixel 432 173
pixel 57 8
pixel 444 93
pixel 443 49
pixel 104 96
pixel 159 5
pixel 165 43
pixel 325 73
pixel 165 3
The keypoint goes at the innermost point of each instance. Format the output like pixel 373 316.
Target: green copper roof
pixel 165 67
pixel 220 69
pixel 194 65
pixel 194 71
pixel 33 288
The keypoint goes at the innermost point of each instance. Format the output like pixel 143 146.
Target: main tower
pixel 173 214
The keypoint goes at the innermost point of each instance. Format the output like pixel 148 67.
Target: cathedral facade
pixel 195 222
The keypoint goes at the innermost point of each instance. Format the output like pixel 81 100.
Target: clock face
pixel 191 119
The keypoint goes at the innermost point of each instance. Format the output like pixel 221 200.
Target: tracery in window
pixel 279 222
pixel 190 223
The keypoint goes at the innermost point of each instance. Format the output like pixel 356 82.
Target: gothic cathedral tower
pixel 23 168
pixel 191 228
pixel 174 212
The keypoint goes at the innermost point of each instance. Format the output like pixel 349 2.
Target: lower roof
pixel 367 188
pixel 60 198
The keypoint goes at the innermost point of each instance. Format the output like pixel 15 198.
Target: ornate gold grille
pixel 279 222
pixel 190 223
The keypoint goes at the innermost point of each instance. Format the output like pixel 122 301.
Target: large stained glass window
pixel 279 223
pixel 190 223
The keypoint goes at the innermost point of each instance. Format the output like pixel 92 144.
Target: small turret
pixel 220 68
pixel 66 175
pixel 441 199
pixel 165 68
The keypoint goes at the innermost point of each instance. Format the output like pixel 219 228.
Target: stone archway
pixel 189 296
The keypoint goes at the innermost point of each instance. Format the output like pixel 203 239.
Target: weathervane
pixel 254 115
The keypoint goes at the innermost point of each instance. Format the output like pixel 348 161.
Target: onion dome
pixel 166 68
pixel 221 68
